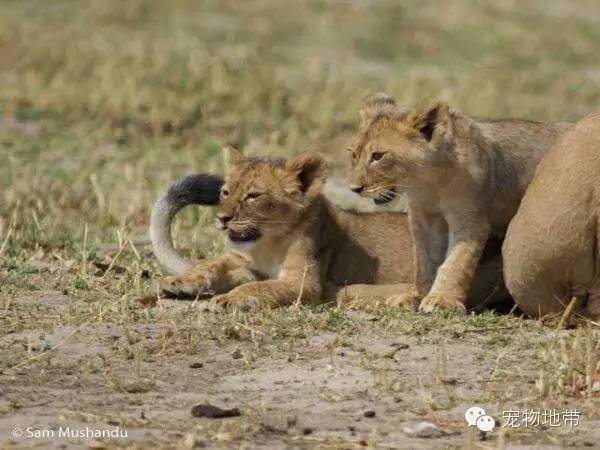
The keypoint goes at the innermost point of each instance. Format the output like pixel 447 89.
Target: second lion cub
pixel 464 179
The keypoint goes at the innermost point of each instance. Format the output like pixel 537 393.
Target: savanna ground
pixel 104 103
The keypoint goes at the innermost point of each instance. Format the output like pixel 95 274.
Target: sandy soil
pixel 366 387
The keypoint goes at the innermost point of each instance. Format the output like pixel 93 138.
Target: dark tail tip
pixel 196 189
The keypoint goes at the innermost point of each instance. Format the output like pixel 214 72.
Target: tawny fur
pixel 464 179
pixel 551 249
pixel 308 251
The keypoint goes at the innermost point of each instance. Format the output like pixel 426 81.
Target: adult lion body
pixel 551 249
pixel 464 179
pixel 288 243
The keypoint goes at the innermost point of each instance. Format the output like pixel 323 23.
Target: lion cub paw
pixel 185 286
pixel 438 302
pixel 408 300
pixel 232 301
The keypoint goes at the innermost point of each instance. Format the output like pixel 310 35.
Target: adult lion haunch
pixel 551 249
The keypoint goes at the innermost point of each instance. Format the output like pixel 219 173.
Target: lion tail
pixel 197 189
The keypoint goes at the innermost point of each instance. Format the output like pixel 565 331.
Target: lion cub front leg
pixel 299 281
pixel 211 277
pixel 454 277
pixel 429 233
pixel 269 293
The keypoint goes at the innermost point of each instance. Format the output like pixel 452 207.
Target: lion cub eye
pixel 376 156
pixel 224 192
pixel 253 195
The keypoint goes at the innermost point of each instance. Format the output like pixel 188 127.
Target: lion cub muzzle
pixel 238 231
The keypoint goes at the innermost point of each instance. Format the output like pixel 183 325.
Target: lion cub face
pixel 265 199
pixel 395 149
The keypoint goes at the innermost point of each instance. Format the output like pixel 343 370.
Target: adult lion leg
pixel 454 277
pixel 210 277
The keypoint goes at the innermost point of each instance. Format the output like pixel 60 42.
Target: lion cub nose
pixel 224 218
pixel 356 188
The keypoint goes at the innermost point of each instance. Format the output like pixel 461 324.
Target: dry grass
pixel 103 104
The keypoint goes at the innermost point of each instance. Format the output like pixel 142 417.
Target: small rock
pixel 42 345
pixel 399 345
pixel 139 386
pixel 214 412
pixel 424 430
pixel 369 414
pixel 307 430
pixel 236 354
pixel 196 365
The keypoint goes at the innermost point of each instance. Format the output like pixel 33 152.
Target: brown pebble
pixel 370 414
pixel 400 345
pixel 196 365
pixel 214 412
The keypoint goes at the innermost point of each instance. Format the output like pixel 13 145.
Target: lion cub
pixel 287 243
pixel 463 178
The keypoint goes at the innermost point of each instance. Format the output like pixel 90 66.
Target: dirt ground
pixel 300 378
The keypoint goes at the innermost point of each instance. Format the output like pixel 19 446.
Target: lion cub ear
pixel 374 103
pixel 429 119
pixel 231 156
pixel 309 171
